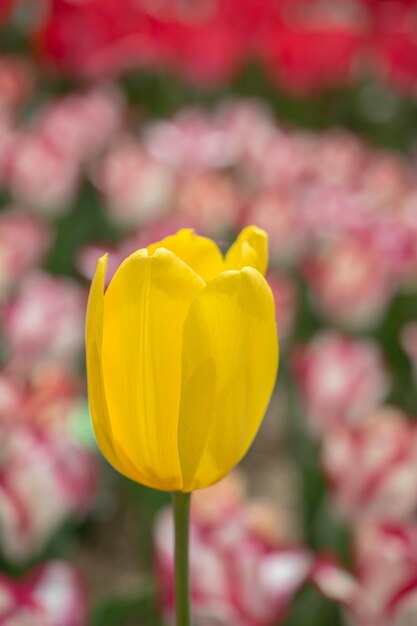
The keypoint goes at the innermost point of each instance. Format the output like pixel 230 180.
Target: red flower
pixel 308 58
pixel 5 8
pixel 393 40
pixel 199 38
pixel 109 36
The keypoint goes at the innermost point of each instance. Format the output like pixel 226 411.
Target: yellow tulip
pixel 182 356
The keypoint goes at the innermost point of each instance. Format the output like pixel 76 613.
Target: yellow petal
pixel 230 358
pixel 144 311
pixel 249 249
pixel 200 253
pixel 96 391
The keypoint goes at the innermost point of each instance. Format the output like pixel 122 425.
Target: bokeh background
pixel 123 121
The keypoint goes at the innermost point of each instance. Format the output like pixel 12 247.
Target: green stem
pixel 181 506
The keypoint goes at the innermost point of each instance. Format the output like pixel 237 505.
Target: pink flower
pixel 371 465
pixel 382 590
pixel 408 220
pixel 24 240
pixel 53 594
pixel 343 157
pixel 340 379
pixel 349 282
pixel 43 399
pixel 16 80
pixel 44 321
pixel 81 125
pixel 8 136
pixel 273 211
pixel 246 129
pixel 210 199
pixel 49 396
pixel 192 141
pixel 45 475
pixel 136 187
pixel 394 241
pixel 242 573
pixel 285 295
pixel 387 179
pixel 86 259
pixel 45 478
pixel 10 399
pixel 39 175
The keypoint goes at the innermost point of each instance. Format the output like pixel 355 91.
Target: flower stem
pixel 181 506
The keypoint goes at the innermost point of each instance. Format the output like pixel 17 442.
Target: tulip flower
pixel 182 355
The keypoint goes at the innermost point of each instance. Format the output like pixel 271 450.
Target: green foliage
pixel 134 611
pixel 311 609
pixel 87 222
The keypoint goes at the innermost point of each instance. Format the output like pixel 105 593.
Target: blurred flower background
pixel 121 122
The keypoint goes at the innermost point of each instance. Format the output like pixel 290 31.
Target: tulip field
pixel 178 180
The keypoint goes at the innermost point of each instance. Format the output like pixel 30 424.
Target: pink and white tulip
pixel 340 379
pixel 24 240
pixel 371 466
pixel 44 322
pixel 244 572
pixel 53 594
pixel 382 591
pixel 46 477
